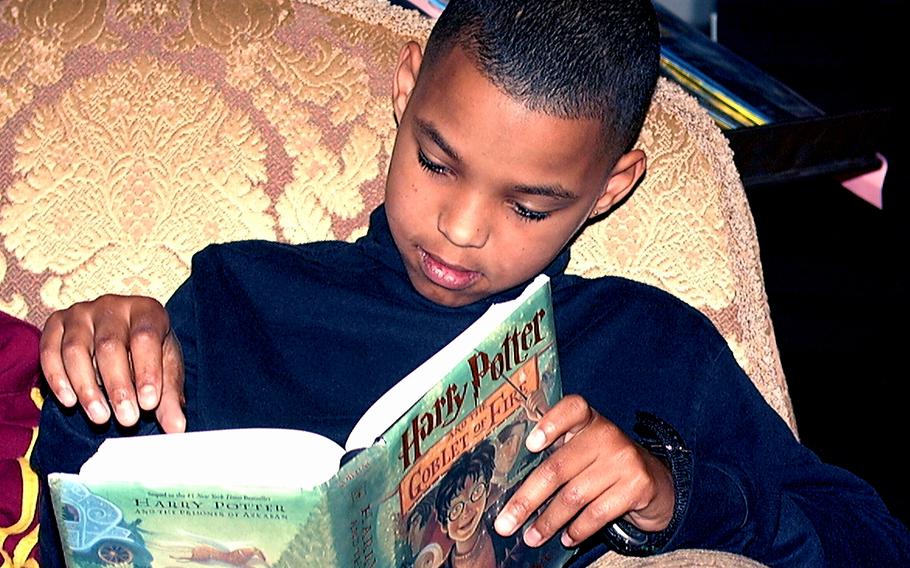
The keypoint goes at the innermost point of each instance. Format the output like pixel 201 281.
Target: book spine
pixel 55 483
pixel 363 531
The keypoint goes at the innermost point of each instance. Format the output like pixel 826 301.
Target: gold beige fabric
pixel 133 133
pixel 136 132
pixel 678 559
pixel 688 229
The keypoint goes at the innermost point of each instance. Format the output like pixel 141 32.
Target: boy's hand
pixel 119 345
pixel 598 475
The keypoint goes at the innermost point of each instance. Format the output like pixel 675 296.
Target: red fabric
pixel 19 414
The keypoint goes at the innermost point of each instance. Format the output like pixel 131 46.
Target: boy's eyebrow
pixel 430 131
pixel 555 191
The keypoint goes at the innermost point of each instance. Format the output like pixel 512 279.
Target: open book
pixel 427 469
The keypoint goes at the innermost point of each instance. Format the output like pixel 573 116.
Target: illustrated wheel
pixel 114 553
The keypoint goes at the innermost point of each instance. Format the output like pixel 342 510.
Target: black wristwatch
pixel 665 443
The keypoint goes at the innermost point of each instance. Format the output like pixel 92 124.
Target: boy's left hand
pixel 597 476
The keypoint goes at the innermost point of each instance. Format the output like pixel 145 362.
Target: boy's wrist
pixel 665 443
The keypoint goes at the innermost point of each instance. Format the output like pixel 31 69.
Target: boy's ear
pixel 405 79
pixel 625 176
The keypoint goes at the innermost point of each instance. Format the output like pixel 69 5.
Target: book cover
pixel 423 491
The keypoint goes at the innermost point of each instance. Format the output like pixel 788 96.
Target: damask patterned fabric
pixel 133 133
pixel 137 132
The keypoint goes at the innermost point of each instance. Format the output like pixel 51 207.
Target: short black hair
pixel 566 58
pixel 474 465
pixel 420 516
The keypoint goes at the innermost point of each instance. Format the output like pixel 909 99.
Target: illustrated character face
pixel 466 510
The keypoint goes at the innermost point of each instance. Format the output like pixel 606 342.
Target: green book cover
pixel 443 450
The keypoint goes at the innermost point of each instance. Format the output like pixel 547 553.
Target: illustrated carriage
pixel 97 531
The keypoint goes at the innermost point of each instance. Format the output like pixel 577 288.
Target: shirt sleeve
pixel 757 491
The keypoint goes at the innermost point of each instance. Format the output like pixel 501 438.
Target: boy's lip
pixel 441 273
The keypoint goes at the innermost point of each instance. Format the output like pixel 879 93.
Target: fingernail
pixel 67 396
pixel 533 537
pixel 567 541
pixel 127 412
pixel 98 412
pixel 505 524
pixel 147 397
pixel 536 440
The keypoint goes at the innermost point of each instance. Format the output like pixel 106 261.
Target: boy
pixel 515 129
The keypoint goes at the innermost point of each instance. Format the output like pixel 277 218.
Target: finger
pixel 603 509
pixel 113 362
pixel 569 416
pixel 148 327
pixel 76 348
pixel 631 489
pixel 546 479
pixel 170 410
pixel 575 496
pixel 52 360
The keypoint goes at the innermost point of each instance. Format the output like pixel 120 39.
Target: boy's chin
pixel 450 299
pixel 444 296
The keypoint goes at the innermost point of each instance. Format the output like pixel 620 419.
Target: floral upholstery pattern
pixel 135 132
pixel 136 136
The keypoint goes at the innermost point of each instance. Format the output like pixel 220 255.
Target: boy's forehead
pixel 457 80
pixel 479 120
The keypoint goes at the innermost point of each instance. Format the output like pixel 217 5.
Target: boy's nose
pixel 465 223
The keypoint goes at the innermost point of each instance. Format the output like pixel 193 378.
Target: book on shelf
pixel 420 480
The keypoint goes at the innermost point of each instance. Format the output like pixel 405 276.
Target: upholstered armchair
pixel 134 133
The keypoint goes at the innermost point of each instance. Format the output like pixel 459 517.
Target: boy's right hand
pixel 119 345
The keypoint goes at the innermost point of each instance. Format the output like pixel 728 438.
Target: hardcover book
pixel 419 483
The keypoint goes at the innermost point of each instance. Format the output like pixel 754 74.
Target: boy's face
pixel 482 193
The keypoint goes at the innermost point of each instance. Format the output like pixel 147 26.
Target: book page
pixel 255 456
pixel 397 400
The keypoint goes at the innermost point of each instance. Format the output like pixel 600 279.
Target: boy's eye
pixel 429 165
pixel 530 214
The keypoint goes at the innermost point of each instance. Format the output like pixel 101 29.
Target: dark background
pixel 834 265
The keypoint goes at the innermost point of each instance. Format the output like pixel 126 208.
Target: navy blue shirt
pixel 309 336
